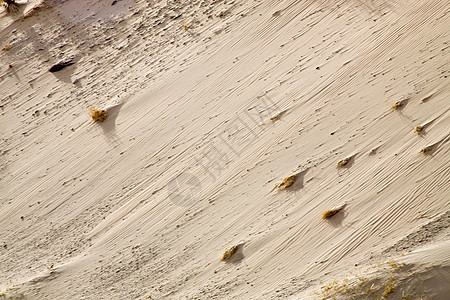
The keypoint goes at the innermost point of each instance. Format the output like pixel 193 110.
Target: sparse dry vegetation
pixel 330 213
pixel 426 149
pixel 397 105
pixel 186 26
pixel 343 162
pixel 418 129
pixel 401 103
pixel 287 182
pixel 389 286
pixel 98 115
pixel 6 48
pixel 368 286
pixel 11 6
pixel 396 267
pixel 12 293
pixel 229 253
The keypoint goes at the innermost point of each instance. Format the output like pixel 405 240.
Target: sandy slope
pixel 204 122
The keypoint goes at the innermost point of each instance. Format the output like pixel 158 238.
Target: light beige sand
pixel 210 105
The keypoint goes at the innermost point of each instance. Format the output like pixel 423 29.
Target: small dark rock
pixel 61 65
pixel 175 16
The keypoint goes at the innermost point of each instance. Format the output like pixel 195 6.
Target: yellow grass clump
pixel 401 102
pixel 229 253
pixel 98 115
pixel 10 5
pixel 343 162
pixel 389 287
pixel 287 182
pixel 426 149
pixel 397 105
pixel 418 129
pixel 7 47
pixel 329 213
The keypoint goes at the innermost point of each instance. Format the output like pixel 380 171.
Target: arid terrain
pixel 230 125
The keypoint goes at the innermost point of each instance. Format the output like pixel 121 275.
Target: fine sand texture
pixel 251 149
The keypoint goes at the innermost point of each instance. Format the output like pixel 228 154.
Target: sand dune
pixel 210 105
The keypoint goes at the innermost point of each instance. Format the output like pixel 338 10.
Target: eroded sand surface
pixel 211 104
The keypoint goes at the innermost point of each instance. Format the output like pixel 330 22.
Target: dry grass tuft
pixel 401 103
pixel 229 253
pixel 389 287
pixel 329 213
pixel 11 6
pixel 418 129
pixel 397 105
pixel 5 48
pixel 98 115
pixel 343 162
pixel 287 182
pixel 186 26
pixel 426 149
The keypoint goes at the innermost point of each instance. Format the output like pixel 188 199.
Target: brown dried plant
pixel 330 213
pixel 426 149
pixel 11 6
pixel 98 115
pixel 287 182
pixel 418 129
pixel 229 253
pixel 343 162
